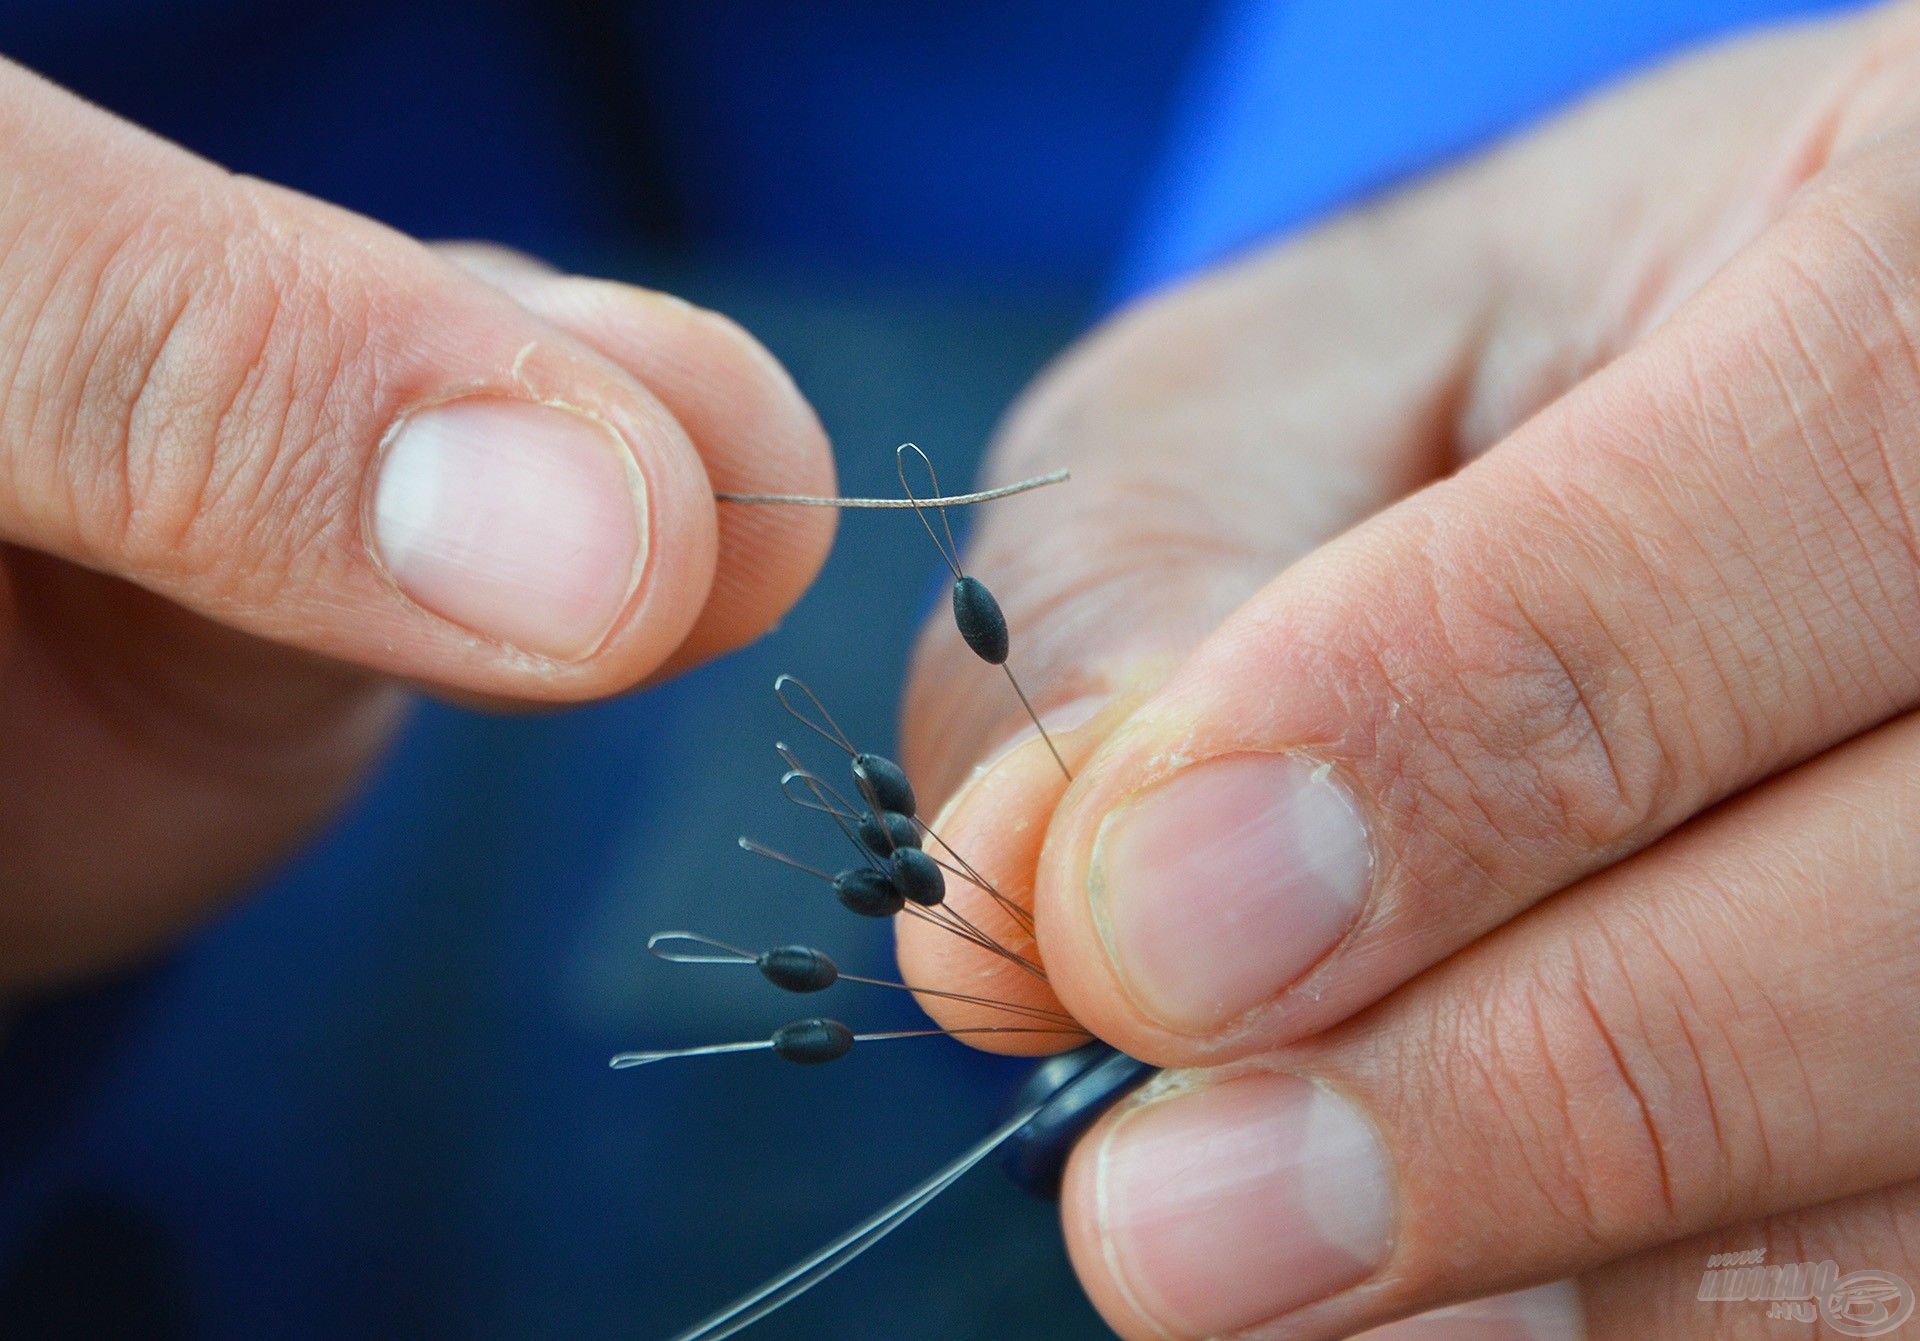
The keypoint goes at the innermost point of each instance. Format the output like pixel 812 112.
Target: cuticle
pixel 518 657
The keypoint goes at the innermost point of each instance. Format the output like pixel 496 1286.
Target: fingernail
pixel 1544 1313
pixel 524 523
pixel 1224 1207
pixel 1218 888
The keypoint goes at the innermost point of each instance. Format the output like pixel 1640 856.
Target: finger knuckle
pixel 187 357
pixel 1518 721
pixel 227 428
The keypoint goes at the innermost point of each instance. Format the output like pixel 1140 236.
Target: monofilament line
pixel 810 1271
pixel 951 501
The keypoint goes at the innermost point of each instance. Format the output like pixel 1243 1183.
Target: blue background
pixel 372 1100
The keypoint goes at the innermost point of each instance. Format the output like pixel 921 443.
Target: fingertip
pixel 752 429
pixel 995 825
pixel 1083 1216
pixel 997 822
pixel 1064 884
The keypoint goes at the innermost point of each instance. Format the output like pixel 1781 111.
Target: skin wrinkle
pixel 1805 534
pixel 1535 777
pixel 1769 1165
pixel 304 492
pixel 1581 994
pixel 11 297
pixel 1425 783
pixel 217 476
pixel 1485 1053
pixel 1907 338
pixel 249 457
pixel 57 322
pixel 1666 779
pixel 130 307
pixel 1728 896
pixel 1600 734
pixel 1456 843
pixel 1818 463
pixel 1467 752
pixel 1679 611
pixel 1700 1072
pixel 268 392
pixel 1730 1013
pixel 1811 440
pixel 143 382
pixel 1782 664
pixel 160 512
pixel 1576 1151
pixel 1897 316
pixel 1753 665
pixel 1855 674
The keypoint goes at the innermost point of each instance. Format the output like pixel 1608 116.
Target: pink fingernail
pixel 1237 1203
pixel 1544 1313
pixel 1218 888
pixel 524 523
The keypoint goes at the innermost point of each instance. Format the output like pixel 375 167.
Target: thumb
pixel 314 430
pixel 1219 434
pixel 1194 480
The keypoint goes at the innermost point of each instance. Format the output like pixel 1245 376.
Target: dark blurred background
pixel 373 1100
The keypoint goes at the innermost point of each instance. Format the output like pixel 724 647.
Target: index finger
pixel 1693 571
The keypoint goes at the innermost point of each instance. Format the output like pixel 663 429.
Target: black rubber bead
pixel 884 784
pixel 1084 1083
pixel 917 876
pixel 886 832
pixel 981 622
pixel 811 1042
pixel 798 968
pixel 868 892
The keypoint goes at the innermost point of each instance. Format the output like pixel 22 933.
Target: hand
pixel 1419 858
pixel 262 461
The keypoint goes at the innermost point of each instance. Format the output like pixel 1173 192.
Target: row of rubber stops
pixel 901 868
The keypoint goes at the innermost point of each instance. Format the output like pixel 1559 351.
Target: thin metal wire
pixel 822 797
pixel 828 728
pixel 1031 1012
pixel 1035 718
pixel 966 928
pixel 824 801
pixel 836 737
pixel 842 817
pixel 951 554
pixel 658 943
pixel 1021 916
pixel 950 501
pixel 760 849
pixel 627 1060
pixel 733 954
